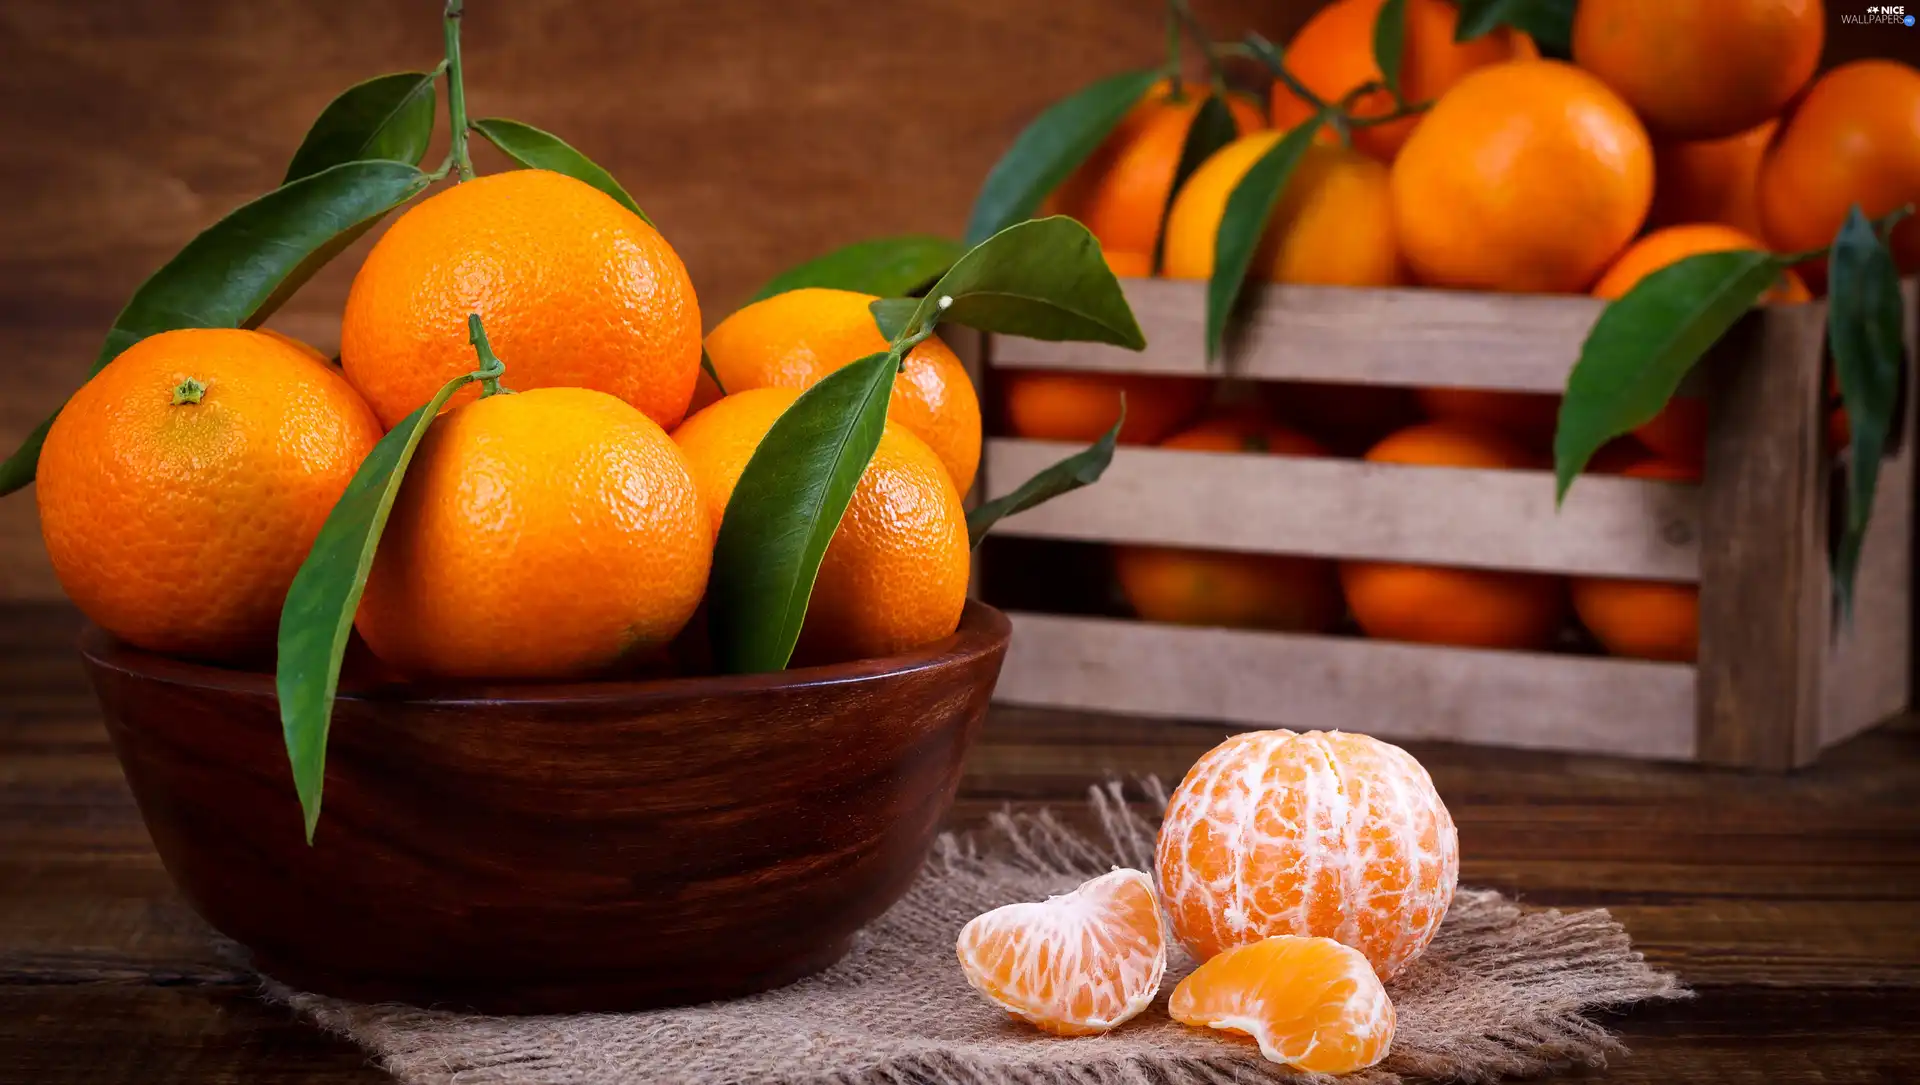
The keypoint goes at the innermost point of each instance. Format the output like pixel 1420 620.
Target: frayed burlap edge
pixel 1502 992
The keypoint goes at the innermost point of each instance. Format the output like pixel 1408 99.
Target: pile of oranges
pixel 560 526
pixel 1301 872
pixel 1677 129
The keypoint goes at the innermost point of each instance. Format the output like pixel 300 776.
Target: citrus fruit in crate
pixel 576 291
pixel 1223 588
pixel 1703 69
pixel 1057 406
pixel 1475 608
pixel 1333 224
pixel 1310 1003
pixel 1711 180
pixel 1528 176
pixel 1332 56
pixel 1348 418
pixel 1854 137
pixel 793 339
pixel 1120 192
pixel 1527 417
pixel 1679 432
pixel 1073 965
pixel 895 573
pixel 180 488
pixel 1644 619
pixel 1326 833
pixel 547 534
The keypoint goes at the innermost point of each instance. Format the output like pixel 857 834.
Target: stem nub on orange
pixel 895 573
pixel 1120 192
pixel 1223 588
pixel 1333 225
pixel 182 486
pixel 1701 69
pixel 576 291
pixel 1853 138
pixel 1475 608
pixel 1528 176
pixel 1643 619
pixel 1333 56
pixel 793 339
pixel 545 534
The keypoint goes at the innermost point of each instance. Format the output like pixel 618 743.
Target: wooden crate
pixel 1779 676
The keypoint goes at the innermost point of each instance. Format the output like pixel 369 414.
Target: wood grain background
pixel 756 133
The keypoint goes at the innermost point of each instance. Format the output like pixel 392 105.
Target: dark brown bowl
pixel 550 848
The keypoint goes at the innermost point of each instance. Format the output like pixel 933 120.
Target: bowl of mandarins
pixel 633 666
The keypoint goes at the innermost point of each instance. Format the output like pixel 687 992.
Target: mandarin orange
pixel 1476 608
pixel 1325 834
pixel 1704 69
pixel 1120 193
pixel 1711 180
pixel 895 573
pixel 1333 225
pixel 547 534
pixel 1853 138
pixel 1310 1003
pixel 1332 56
pixel 1076 964
pixel 1059 406
pixel 792 340
pixel 1644 619
pixel 1527 417
pixel 181 488
pixel 1527 176
pixel 576 291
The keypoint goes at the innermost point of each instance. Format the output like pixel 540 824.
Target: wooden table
pixel 1791 904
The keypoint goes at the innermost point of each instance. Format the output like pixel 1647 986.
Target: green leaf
pixel 239 270
pixel 1213 127
pixel 318 615
pixel 1050 149
pixel 1389 42
pixel 884 266
pixel 535 149
pixel 387 117
pixel 1548 22
pixel 891 315
pixel 1645 342
pixel 1249 206
pixel 1863 328
pixel 1042 279
pixel 785 509
pixel 1083 468
pixel 706 363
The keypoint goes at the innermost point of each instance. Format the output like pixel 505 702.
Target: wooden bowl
pixel 554 848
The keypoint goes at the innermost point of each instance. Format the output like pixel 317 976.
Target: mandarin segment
pixel 180 488
pixel 576 291
pixel 1310 1003
pixel 545 534
pixel 1326 834
pixel 1075 964
pixel 791 340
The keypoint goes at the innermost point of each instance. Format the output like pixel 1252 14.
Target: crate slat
pixel 1349 508
pixel 1401 691
pixel 1325 333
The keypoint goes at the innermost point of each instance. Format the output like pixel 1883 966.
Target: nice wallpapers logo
pixel 1881 13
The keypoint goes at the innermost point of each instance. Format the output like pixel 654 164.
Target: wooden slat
pixel 1326 333
pixel 1348 508
pixel 1589 704
pixel 1763 583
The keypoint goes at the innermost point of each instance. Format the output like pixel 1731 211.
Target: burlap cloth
pixel 1502 991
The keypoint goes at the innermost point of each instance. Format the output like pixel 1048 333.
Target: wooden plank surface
pixel 1792 904
pixel 1348 508
pixel 1400 691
